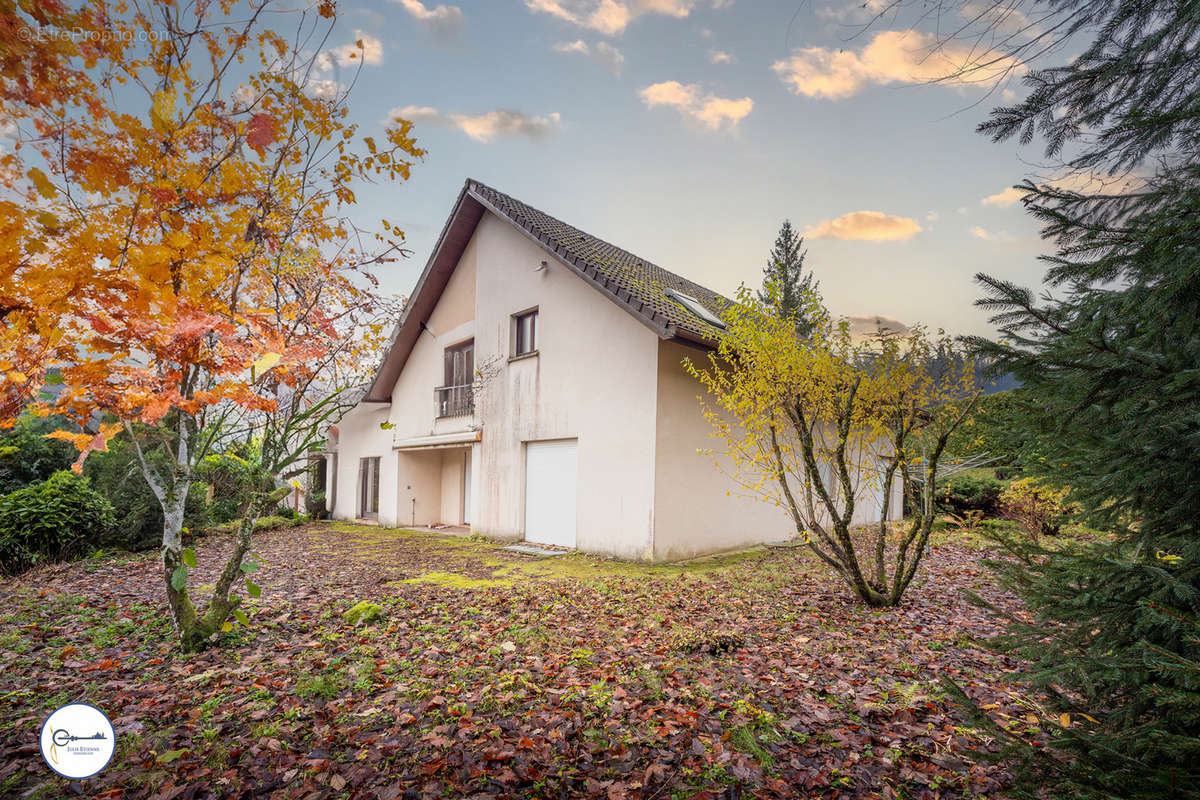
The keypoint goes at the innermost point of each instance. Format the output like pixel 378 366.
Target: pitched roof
pixel 637 285
pixel 616 268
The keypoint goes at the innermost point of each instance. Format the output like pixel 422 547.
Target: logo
pixel 77 741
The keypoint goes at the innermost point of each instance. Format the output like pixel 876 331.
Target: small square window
pixel 525 333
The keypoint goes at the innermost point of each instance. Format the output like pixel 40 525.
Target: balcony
pixel 454 401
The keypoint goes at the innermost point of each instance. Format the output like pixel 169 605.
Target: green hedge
pixel 962 493
pixel 57 519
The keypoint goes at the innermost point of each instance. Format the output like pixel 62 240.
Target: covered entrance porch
pixel 434 480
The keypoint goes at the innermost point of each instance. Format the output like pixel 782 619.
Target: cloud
pixel 577 46
pixel 932 216
pixel 990 236
pixel 365 49
pixel 609 17
pixel 863 326
pixel 487 126
pixel 244 95
pixel 417 113
pixel 719 57
pixel 1082 182
pixel 890 57
pixel 8 129
pixel 712 111
pixel 323 88
pixel 867 226
pixel 854 11
pixel 1002 17
pixel 609 57
pixel 1003 199
pixel 443 21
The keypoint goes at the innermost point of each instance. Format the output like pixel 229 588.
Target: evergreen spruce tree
pixel 785 276
pixel 1111 352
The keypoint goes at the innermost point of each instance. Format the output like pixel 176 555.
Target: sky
pixel 686 131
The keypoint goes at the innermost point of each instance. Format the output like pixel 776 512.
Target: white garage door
pixel 550 492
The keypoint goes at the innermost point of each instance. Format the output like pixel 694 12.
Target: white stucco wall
pixel 700 508
pixel 452 321
pixel 594 379
pixel 359 436
pixel 415 494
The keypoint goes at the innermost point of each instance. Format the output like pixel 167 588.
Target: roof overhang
pixel 438 441
pixel 456 235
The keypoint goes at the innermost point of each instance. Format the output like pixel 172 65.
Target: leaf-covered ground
pixel 490 674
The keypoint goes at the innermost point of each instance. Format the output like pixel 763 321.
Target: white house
pixel 533 389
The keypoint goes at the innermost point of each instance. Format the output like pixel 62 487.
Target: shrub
pixel 116 474
pixel 57 519
pixel 261 524
pixel 28 457
pixel 277 522
pixel 967 522
pixel 315 501
pixel 1040 509
pixel 962 493
pixel 232 475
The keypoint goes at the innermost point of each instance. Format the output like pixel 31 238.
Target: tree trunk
pixel 881 536
pixel 183 613
pixel 222 604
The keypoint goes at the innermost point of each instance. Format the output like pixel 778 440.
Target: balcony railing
pixel 454 401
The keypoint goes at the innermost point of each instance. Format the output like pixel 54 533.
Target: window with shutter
pixel 455 397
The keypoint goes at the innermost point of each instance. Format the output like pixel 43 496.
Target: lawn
pixel 490 674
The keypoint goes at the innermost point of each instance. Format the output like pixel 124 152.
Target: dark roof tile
pixel 635 281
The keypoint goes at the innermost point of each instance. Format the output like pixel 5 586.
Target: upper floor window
pixel 460 364
pixel 525 333
pixel 456 398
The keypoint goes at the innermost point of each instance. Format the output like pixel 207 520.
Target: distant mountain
pixel 1002 383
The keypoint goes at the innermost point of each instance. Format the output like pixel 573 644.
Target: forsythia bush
pixel 1037 507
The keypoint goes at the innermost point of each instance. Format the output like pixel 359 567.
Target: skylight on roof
pixel 696 307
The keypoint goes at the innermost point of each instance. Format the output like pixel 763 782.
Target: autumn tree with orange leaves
pixel 41 74
pixel 176 237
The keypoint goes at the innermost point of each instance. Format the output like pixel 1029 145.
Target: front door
pixel 368 488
